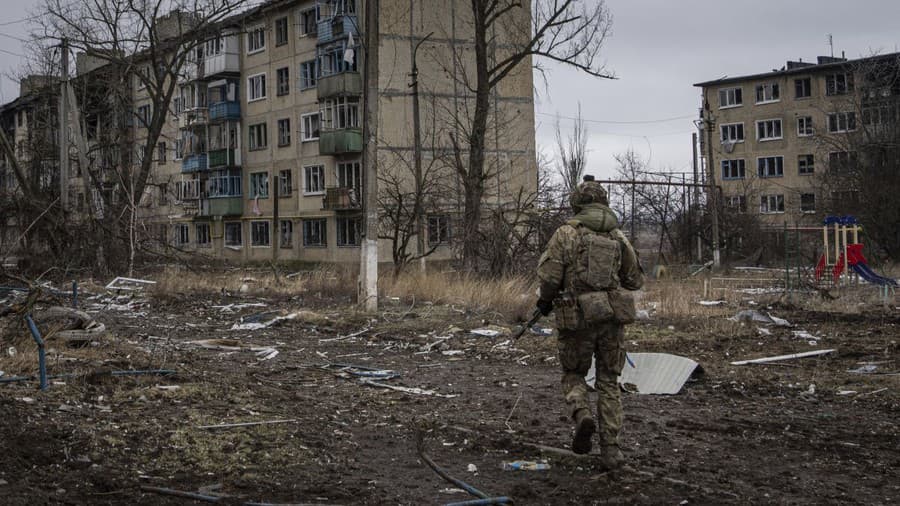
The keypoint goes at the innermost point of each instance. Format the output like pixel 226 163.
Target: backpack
pixel 593 279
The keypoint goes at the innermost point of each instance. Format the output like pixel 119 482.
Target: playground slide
pixel 869 275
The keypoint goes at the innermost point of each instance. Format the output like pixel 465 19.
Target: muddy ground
pixel 736 435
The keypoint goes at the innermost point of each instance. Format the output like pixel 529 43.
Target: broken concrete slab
pixel 653 373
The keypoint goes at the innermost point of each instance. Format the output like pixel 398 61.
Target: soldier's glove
pixel 544 306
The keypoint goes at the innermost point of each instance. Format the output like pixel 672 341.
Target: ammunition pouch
pixel 622 304
pixel 595 308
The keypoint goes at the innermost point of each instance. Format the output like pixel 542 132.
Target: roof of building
pixel 823 64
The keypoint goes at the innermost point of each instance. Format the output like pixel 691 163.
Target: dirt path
pixel 737 435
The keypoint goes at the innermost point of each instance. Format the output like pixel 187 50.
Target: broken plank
pixel 779 358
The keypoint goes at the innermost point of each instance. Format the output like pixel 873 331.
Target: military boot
pixel 584 429
pixel 611 456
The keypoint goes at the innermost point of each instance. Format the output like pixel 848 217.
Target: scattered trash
pixel 11 351
pixel 763 331
pixel 485 332
pixel 865 369
pixel 129 284
pixel 408 390
pixel 263 352
pixel 802 334
pixel 169 387
pixel 642 314
pixel 654 373
pixel 846 392
pixel 472 468
pixel 780 358
pixel 451 353
pixel 82 328
pixel 541 331
pixel 712 302
pixel 484 498
pixel 525 465
pixel 230 308
pixel 748 315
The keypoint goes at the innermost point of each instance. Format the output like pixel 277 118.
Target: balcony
pixel 342 83
pixel 194 163
pixel 220 158
pixel 340 199
pixel 222 63
pixel 336 142
pixel 229 206
pixel 193 118
pixel 336 27
pixel 223 111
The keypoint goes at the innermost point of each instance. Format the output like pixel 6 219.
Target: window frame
pixel 289 244
pixel 441 223
pixel 738 129
pixel 735 166
pixel 281 27
pixel 736 203
pixel 307 171
pixel 807 210
pixel 736 94
pixel 806 164
pixel 805 131
pixel 849 120
pixel 285 184
pixel 262 87
pixel 774 90
pixel 351 235
pixel 321 232
pixel 207 235
pixel 284 132
pixel 777 198
pixel 258 30
pixel 769 126
pixel 256 182
pixel 228 237
pixel 282 86
pixel 181 233
pixel 308 74
pixel 257 136
pixel 833 88
pixel 256 236
pixel 807 88
pixel 759 168
pixel 304 137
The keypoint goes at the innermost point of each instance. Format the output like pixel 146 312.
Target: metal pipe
pixel 181 493
pixel 479 502
pixel 42 357
pixel 459 483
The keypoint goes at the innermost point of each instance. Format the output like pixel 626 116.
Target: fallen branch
pixel 244 424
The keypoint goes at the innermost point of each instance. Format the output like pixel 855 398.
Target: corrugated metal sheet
pixel 654 373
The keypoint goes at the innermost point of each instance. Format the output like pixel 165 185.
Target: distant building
pixel 260 154
pixel 769 138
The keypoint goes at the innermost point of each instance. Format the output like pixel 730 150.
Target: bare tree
pixel 506 34
pixel 860 146
pixel 572 152
pixel 142 45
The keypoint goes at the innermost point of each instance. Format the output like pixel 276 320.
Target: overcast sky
pixel 658 48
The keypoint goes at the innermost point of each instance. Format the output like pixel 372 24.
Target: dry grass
pixel 512 297
pixel 326 281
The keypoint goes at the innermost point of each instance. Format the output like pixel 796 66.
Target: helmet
pixel 588 192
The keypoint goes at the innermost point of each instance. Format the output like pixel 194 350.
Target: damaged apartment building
pixel 798 142
pixel 260 156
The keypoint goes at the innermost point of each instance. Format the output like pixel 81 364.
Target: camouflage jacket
pixel 555 264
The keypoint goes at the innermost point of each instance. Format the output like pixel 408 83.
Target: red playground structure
pixel 847 255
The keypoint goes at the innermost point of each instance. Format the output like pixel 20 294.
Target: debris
pixel 263 352
pixel 712 302
pixel 525 465
pixel 748 315
pixel 783 357
pixel 428 347
pixel 642 314
pixel 485 332
pixel 654 373
pixel 245 424
pixel 451 353
pixel 409 390
pixel 168 387
pixel 485 499
pixel 763 331
pixel 181 493
pixel 873 392
pixel 11 351
pixel 864 369
pixel 230 308
pixel 846 392
pixel 802 334
pixel 472 468
pixel 129 284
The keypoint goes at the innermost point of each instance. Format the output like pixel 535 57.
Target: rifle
pixel 534 318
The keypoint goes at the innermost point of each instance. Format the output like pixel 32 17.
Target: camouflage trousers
pixel 605 342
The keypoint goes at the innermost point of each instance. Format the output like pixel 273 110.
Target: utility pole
pixel 712 200
pixel 417 147
pixel 63 124
pixel 368 286
pixel 696 199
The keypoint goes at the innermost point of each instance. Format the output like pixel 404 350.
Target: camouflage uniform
pixel 562 272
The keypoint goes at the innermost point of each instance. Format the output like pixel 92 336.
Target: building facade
pixel 260 153
pixel 770 140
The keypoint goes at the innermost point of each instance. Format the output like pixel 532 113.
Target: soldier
pixel 587 261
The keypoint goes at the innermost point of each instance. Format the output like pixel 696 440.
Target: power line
pixel 641 122
pixel 12 53
pixel 14 37
pixel 20 20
